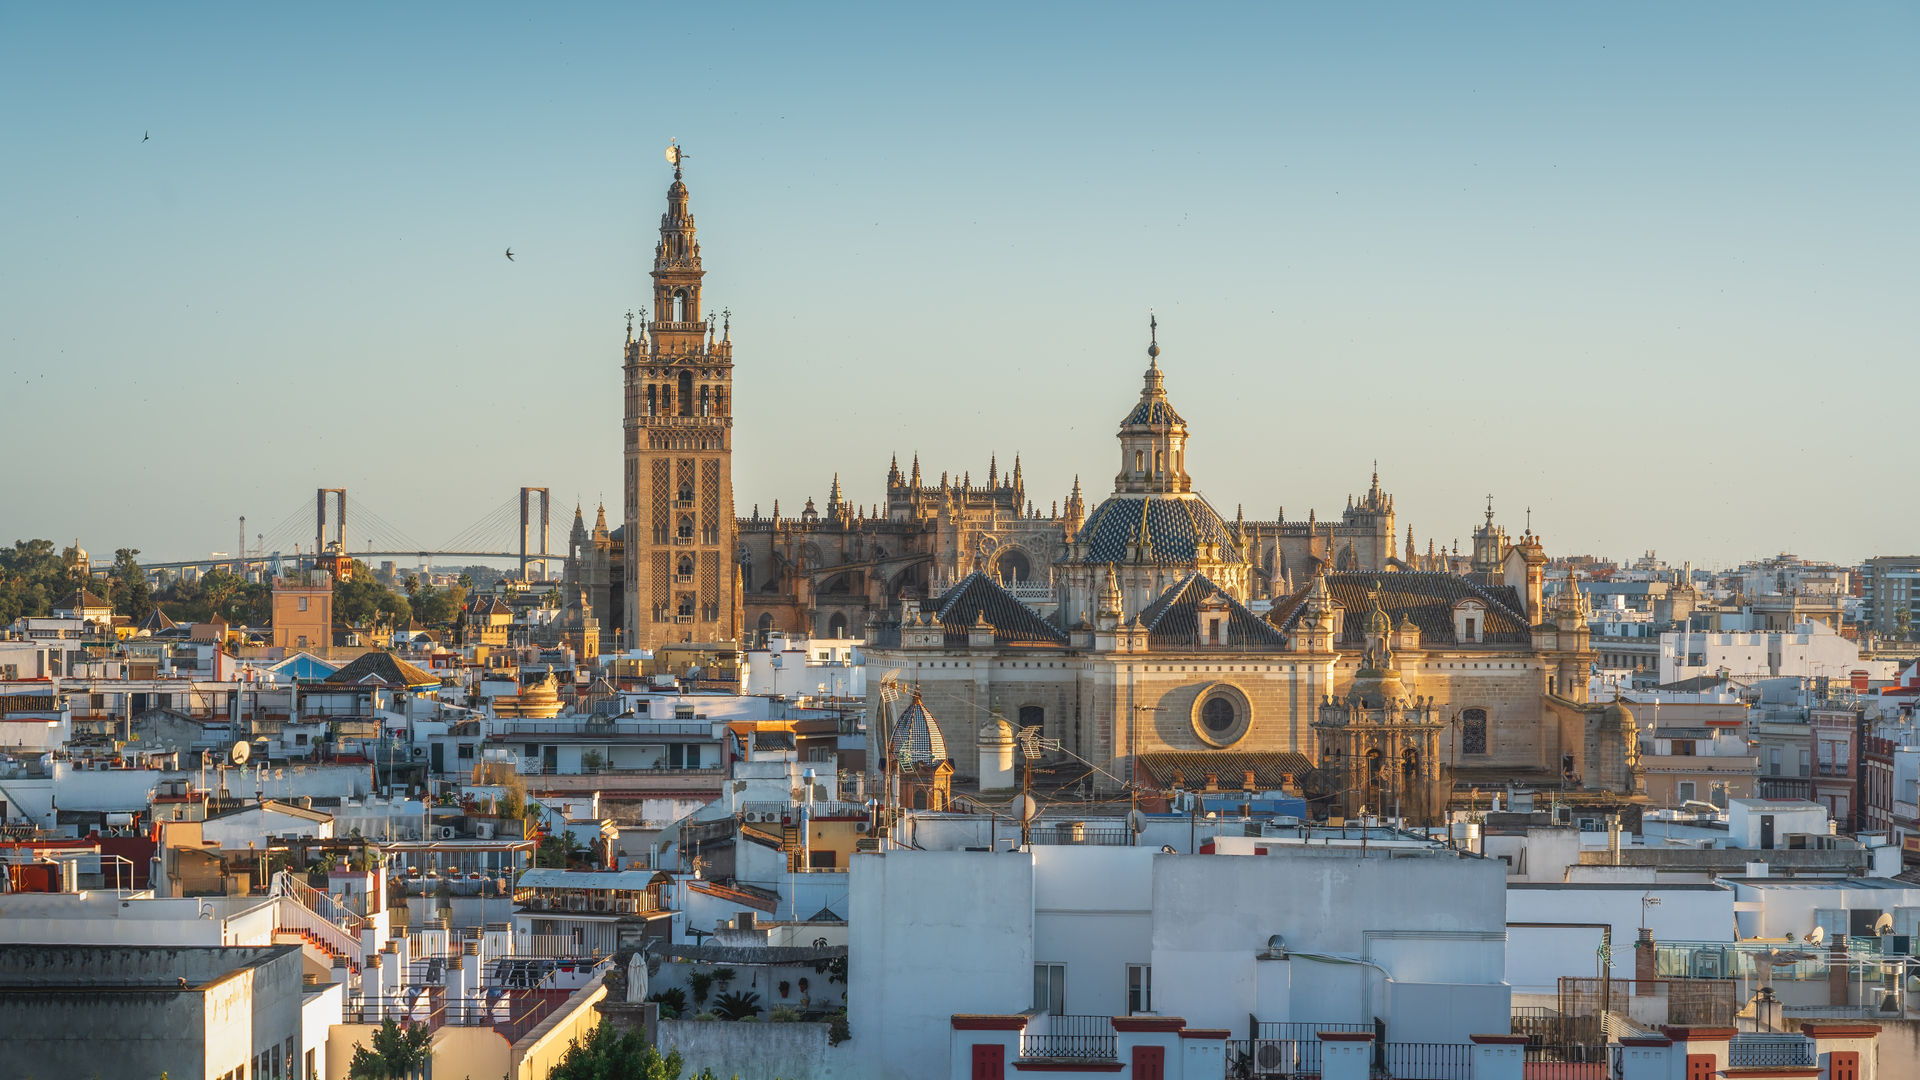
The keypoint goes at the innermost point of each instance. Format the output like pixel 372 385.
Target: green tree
pixel 412 585
pixel 606 1056
pixel 132 595
pixel 398 1052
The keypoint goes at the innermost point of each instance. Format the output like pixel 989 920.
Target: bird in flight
pixel 145 135
pixel 509 254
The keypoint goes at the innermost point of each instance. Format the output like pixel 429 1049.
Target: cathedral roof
pixel 1189 769
pixel 1425 597
pixel 917 741
pixel 1167 528
pixel 1173 619
pixel 979 598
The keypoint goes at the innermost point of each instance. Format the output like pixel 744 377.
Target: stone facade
pixel 1149 647
pixel 678 539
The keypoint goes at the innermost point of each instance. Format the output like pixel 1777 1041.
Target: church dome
pixel 1166 529
pixel 917 741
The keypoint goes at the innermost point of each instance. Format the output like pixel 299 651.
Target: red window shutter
pixel 1700 1067
pixel 989 1061
pixel 1843 1065
pixel 1149 1063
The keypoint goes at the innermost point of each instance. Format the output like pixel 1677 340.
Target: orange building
pixel 303 610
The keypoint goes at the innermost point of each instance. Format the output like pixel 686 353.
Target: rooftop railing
pixel 1071 1037
pixel 1763 1050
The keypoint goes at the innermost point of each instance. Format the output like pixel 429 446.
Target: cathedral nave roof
pixel 979 598
pixel 1172 621
pixel 1426 597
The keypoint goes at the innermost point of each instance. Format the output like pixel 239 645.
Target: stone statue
pixel 636 978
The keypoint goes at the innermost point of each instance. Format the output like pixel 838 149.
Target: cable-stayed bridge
pixel 521 528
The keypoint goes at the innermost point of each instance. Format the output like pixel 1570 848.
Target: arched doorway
pixel 837 626
pixel 1013 566
pixel 765 626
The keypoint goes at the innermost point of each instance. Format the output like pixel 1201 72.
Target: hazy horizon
pixel 1646 270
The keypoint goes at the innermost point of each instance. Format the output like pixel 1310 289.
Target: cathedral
pixel 1147 633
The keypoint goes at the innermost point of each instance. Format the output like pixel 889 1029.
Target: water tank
pixel 996 744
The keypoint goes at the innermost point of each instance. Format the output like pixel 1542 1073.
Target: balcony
pixel 1070 1038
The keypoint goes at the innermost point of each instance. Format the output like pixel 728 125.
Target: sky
pixel 1645 269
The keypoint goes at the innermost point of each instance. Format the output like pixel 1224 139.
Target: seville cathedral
pixel 1145 632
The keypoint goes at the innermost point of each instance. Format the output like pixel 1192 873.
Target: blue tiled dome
pixel 917 741
pixel 1157 410
pixel 1169 529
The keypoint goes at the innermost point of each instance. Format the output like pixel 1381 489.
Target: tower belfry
pixel 680 526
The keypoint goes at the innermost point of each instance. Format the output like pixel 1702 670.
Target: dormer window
pixel 1469 622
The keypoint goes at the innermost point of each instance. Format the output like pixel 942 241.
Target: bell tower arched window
pixel 686 393
pixel 680 305
pixel 686 526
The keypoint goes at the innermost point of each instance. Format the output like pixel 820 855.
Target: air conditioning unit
pixel 865 826
pixel 484 830
pixel 446 832
pixel 599 903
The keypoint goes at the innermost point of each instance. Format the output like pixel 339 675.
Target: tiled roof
pixel 158 621
pixel 1153 410
pixel 979 597
pixel 916 736
pixel 1168 529
pixel 1190 768
pixel 83 598
pixel 382 669
pixel 1426 597
pixel 1173 619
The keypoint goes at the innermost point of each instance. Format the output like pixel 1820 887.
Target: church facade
pixel 1368 686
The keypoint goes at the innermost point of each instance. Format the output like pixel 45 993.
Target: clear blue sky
pixel 1648 268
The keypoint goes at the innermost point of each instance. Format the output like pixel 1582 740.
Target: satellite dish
pixel 1818 937
pixel 1913 984
pixel 1028 808
pixel 1137 821
pixel 240 752
pixel 1883 924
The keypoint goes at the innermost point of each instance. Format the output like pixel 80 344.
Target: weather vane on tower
pixel 675 155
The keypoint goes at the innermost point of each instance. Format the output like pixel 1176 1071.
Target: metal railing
pixel 1424 1061
pixel 1757 1050
pixel 1304 1030
pixel 1573 1061
pixel 1072 1037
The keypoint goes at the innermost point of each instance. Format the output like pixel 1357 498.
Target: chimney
pixel 1213 782
pixel 1248 784
pixel 1646 972
pixel 744 921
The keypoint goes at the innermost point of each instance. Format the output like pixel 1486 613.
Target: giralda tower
pixel 679 451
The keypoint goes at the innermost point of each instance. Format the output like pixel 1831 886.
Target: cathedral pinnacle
pixel 1153 340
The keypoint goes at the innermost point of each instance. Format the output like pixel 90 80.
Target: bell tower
pixel 680 523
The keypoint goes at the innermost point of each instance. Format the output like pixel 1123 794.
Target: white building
pixel 1810 650
pixel 1287 934
pixel 794 667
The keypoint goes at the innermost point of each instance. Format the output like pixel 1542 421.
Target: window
pixel 1050 988
pixel 1685 788
pixel 822 860
pixel 686 493
pixel 686 566
pixel 1473 731
pixel 686 605
pixel 1213 631
pixel 1139 988
pixel 300 738
pixel 313 1067
pixel 1139 461
pixel 686 526
pixel 464 752
pixel 1218 714
pixel 1473 629
pixel 303 603
pixel 686 393
pixel 1159 461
